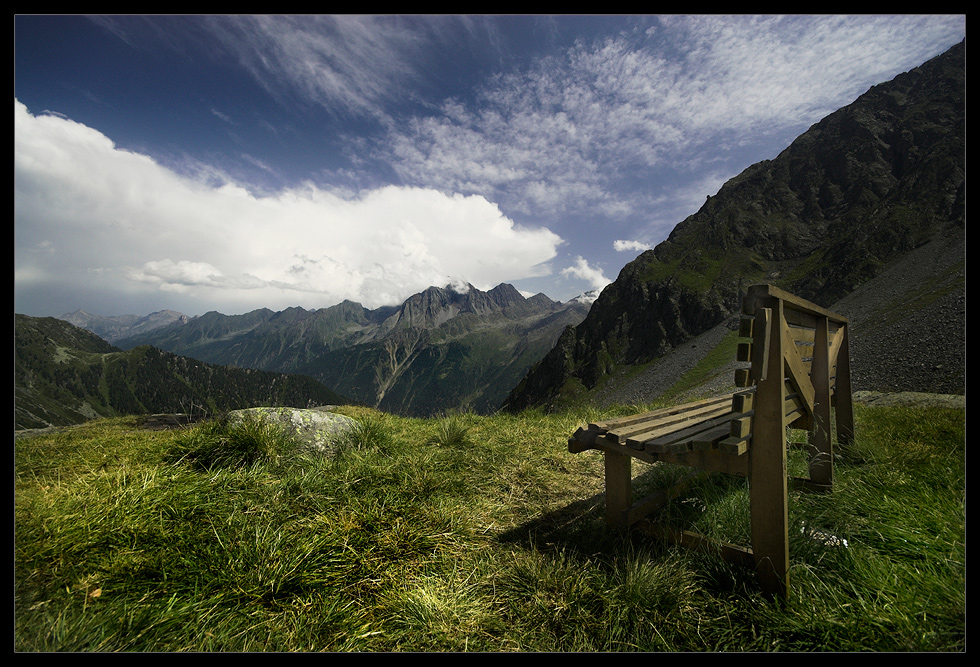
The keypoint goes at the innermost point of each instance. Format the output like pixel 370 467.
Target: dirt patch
pixel 168 422
pixel 910 399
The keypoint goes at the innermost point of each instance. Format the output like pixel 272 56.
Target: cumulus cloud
pixel 118 218
pixel 591 274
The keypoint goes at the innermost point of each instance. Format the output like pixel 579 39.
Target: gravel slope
pixel 909 323
pixel 908 334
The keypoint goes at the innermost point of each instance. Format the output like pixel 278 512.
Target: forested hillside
pixel 65 375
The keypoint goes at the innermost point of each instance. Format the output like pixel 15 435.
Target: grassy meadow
pixel 467 533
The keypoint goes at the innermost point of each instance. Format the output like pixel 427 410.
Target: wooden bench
pixel 797 370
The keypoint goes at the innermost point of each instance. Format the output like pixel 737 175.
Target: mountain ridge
pixel 444 348
pixel 853 194
pixel 114 327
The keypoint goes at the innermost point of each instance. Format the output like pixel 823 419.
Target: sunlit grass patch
pixel 402 541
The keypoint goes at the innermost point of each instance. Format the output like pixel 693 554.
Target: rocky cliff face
pixel 851 196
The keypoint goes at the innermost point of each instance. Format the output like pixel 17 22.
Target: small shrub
pixel 367 433
pixel 452 431
pixel 227 444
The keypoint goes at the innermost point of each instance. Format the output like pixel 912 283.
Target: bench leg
pixel 845 406
pixel 768 497
pixel 619 489
pixel 821 452
pixel 768 501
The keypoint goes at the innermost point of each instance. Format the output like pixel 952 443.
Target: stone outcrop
pixel 316 429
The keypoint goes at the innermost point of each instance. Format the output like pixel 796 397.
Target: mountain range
pixel 112 328
pixel 446 348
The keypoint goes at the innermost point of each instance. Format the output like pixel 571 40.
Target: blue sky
pixel 235 162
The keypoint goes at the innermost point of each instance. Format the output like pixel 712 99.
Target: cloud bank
pixel 90 211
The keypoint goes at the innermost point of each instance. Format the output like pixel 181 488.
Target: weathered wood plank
pixel 639 433
pixel 661 441
pixel 741 425
pixel 845 407
pixel 802 336
pixel 712 460
pixel 769 511
pixel 668 433
pixel 743 400
pixel 619 492
pixel 734 446
pixel 821 463
pixel 709 439
pixel 760 348
pixel 796 413
pixel 834 347
pixel 795 304
pixel 794 369
pixel 690 540
pixel 618 422
pixel 746 327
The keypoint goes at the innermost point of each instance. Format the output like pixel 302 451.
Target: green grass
pixel 707 368
pixel 466 533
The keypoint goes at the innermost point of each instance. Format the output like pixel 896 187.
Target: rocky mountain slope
pixel 66 375
pixel 442 349
pixel 853 196
pixel 908 331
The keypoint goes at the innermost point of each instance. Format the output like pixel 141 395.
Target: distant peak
pixel 460 287
pixel 586 297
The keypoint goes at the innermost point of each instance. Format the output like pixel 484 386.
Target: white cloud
pixel 624 246
pixel 585 271
pixel 346 64
pixel 127 224
pixel 572 133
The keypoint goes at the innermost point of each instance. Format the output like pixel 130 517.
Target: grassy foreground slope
pixel 466 533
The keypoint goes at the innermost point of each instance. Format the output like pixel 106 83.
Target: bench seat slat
pixel 734 446
pixel 709 439
pixel 665 426
pixel 622 422
pixel 681 440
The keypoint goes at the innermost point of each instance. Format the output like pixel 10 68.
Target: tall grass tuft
pixel 452 431
pixel 231 444
pixel 370 432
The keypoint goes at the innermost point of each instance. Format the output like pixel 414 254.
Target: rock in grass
pixel 316 429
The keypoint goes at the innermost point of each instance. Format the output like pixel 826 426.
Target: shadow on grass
pixel 579 527
pixel 578 530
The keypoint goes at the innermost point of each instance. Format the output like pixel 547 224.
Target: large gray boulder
pixel 317 429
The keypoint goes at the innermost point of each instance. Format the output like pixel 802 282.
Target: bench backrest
pixel 797 351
